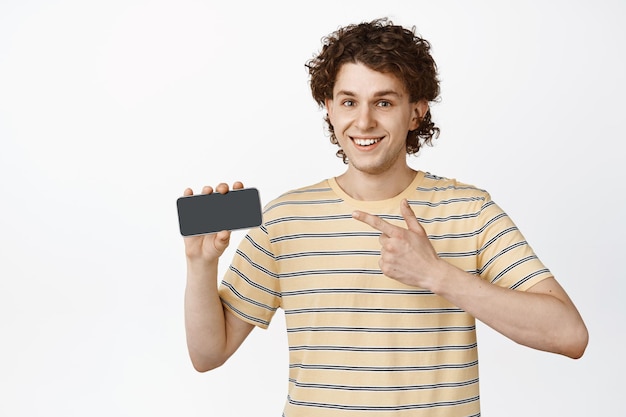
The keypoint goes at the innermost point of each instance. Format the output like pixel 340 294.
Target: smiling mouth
pixel 366 142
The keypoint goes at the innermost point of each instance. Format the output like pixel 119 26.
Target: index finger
pixel 374 221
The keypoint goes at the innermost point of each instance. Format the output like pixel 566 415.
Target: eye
pixel 348 103
pixel 384 103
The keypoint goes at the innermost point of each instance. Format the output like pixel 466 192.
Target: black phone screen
pixel 210 213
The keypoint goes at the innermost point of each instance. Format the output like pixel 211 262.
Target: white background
pixel 109 109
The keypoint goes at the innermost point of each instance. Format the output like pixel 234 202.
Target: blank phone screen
pixel 210 213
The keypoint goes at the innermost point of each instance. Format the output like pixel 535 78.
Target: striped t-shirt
pixel 360 343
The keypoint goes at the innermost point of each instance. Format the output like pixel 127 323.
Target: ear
pixel 328 103
pixel 419 111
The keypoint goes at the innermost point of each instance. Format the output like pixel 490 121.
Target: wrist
pixel 443 278
pixel 199 267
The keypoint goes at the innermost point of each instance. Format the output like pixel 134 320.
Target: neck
pixel 374 187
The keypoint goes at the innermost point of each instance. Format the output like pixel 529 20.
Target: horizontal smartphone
pixel 210 213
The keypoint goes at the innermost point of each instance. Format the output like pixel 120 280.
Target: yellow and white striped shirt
pixel 360 343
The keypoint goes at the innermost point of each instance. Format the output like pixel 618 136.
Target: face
pixel 371 116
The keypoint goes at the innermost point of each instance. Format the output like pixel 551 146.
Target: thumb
pixel 409 217
pixel 221 240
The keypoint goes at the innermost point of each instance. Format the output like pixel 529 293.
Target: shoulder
pixel 300 199
pixel 442 188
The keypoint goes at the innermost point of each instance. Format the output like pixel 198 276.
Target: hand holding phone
pixel 213 212
pixel 201 241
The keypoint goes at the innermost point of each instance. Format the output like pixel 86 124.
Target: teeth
pixel 365 142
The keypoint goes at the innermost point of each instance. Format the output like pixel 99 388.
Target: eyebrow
pixel 382 93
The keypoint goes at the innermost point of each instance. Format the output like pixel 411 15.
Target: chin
pixel 370 169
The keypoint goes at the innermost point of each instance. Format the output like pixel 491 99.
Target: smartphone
pixel 210 213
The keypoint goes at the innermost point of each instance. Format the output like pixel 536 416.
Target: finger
pixel 410 218
pixel 207 189
pixel 188 192
pixel 221 240
pixel 374 221
pixel 223 236
pixel 237 185
pixel 222 188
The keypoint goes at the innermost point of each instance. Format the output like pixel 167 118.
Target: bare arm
pixel 543 317
pixel 213 333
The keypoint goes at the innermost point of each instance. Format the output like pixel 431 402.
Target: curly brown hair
pixel 384 47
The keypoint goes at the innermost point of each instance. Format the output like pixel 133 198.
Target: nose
pixel 365 118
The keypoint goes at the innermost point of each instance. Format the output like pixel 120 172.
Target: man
pixel 381 271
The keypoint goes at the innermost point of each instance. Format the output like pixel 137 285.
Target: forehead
pixel 359 79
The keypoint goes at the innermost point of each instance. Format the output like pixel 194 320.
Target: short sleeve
pixel 504 256
pixel 250 288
